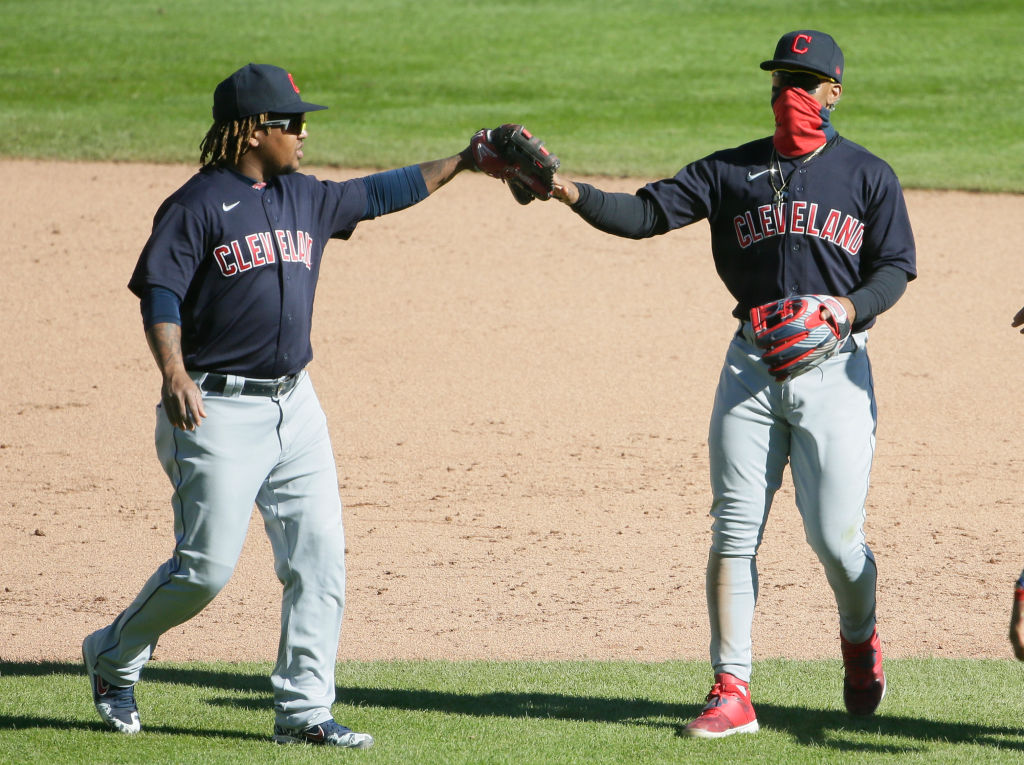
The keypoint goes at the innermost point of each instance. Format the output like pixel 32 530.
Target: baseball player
pixel 1017 613
pixel 226 283
pixel 801 213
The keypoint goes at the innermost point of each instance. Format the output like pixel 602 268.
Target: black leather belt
pixel 216 383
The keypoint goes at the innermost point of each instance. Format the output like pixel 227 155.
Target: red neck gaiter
pixel 801 123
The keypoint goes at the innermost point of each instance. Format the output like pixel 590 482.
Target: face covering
pixel 801 123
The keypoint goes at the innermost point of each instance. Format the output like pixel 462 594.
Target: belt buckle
pixel 283 386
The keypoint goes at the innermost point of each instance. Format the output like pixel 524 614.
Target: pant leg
pixel 303 517
pixel 833 444
pixel 216 471
pixel 748 446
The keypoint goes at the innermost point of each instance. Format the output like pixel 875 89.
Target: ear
pixel 835 92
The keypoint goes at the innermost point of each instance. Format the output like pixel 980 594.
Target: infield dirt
pixel 519 409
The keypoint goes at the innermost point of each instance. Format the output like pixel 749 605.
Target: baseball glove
pixel 516 156
pixel 795 336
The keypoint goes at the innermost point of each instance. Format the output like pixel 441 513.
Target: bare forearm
pixel 438 172
pixel 165 344
pixel 181 398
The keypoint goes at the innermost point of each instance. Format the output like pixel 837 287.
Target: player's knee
pixel 203 577
pixel 845 561
pixel 735 539
pixel 328 576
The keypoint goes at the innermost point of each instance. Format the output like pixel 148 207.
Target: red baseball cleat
pixel 864 684
pixel 728 710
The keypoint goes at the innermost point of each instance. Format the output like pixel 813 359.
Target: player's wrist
pixel 851 309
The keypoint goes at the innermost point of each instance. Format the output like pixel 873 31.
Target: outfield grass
pixel 636 87
pixel 526 712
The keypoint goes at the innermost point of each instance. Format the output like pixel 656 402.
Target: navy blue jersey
pixel 244 259
pixel 844 216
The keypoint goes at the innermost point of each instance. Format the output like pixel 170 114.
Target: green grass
pixel 526 712
pixel 635 87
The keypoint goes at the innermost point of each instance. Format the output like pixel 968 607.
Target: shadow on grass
pixel 155 674
pixel 828 729
pixel 24 722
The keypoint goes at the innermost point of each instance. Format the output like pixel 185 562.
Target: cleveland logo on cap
pixel 800 43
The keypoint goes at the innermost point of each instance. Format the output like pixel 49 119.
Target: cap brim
pixel 775 64
pixel 299 107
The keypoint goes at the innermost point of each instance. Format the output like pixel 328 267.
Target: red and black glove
pixel 795 335
pixel 517 157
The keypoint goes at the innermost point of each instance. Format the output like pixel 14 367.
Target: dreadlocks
pixel 226 142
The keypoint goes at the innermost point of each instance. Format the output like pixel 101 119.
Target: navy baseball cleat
pixel 115 704
pixel 864 683
pixel 327 733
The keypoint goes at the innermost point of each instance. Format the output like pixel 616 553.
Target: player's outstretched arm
pixel 634 216
pixel 1018 320
pixel 181 397
pixel 438 172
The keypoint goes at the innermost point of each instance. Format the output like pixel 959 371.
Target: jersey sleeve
pixel 343 206
pixel 685 198
pixel 888 236
pixel 172 253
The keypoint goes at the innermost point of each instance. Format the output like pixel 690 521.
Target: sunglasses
pixel 805 80
pixel 295 125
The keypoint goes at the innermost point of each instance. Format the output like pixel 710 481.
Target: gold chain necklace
pixel 779 195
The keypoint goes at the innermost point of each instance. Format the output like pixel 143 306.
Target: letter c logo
pixel 797 47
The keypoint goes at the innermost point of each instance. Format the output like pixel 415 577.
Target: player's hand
pixel 1018 320
pixel 566 191
pixel 182 401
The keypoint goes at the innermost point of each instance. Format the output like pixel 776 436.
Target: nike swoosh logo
pixel 228 208
pixel 751 176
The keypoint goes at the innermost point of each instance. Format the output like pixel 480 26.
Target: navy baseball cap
pixel 808 50
pixel 255 89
